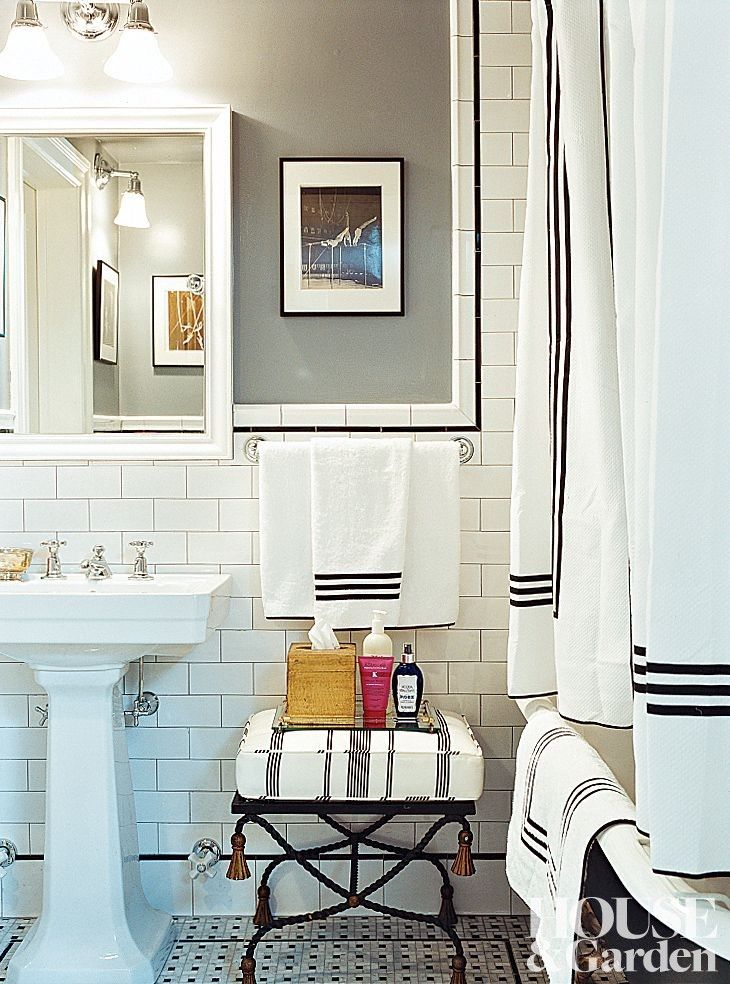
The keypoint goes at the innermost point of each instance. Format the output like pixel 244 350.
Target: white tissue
pixel 322 636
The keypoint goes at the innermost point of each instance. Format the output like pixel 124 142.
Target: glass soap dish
pixel 426 721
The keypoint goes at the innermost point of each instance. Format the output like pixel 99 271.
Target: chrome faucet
pixel 53 561
pixel 96 567
pixel 140 571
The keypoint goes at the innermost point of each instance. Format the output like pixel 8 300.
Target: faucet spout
pixel 96 567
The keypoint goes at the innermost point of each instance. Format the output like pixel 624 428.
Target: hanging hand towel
pixel 433 538
pixel 360 494
pixel 565 795
pixel 285 490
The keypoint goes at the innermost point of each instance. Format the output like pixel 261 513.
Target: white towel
pixel 285 495
pixel 430 591
pixel 565 795
pixel 433 539
pixel 360 492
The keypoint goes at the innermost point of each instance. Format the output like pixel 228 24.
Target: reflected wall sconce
pixel 132 208
pixel 28 55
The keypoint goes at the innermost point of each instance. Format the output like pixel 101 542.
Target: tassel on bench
pixel 263 916
pixel 463 863
pixel 447 912
pixel 248 969
pixel 458 974
pixel 238 869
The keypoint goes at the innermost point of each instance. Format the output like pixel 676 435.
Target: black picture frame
pixel 289 309
pixel 106 350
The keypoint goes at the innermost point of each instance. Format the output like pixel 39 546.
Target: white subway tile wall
pixel 205 517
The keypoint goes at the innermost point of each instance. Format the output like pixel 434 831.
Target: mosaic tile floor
pixel 340 951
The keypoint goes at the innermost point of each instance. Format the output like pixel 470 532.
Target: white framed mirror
pixel 428 333
pixel 118 308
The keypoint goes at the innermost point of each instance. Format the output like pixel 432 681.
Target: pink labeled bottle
pixel 376 668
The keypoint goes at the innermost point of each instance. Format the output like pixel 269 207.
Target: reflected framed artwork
pixel 3 222
pixel 178 321
pixel 106 313
pixel 342 236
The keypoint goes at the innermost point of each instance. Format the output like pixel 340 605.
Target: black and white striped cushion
pixel 336 764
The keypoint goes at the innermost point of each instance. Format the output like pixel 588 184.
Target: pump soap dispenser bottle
pixel 376 666
pixel 407 686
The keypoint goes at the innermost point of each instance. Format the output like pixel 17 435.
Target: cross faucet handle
pixel 140 571
pixel 54 546
pixel 53 561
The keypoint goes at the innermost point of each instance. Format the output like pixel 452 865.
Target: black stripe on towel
pixel 527 821
pixel 360 586
pixel 699 669
pixel 640 651
pixel 689 689
pixel 689 710
pixel 531 591
pixel 357 587
pixel 535 603
pixel 358 577
pixel 373 595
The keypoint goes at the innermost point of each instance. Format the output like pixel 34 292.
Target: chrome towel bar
pixel 251 448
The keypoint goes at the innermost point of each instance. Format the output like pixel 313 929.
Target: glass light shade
pixel 138 58
pixel 133 211
pixel 28 55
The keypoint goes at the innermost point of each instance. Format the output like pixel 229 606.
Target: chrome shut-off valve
pixel 204 858
pixel 8 854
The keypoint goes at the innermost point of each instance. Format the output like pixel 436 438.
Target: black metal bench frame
pixel 353 896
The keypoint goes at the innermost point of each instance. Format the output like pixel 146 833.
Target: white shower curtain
pixel 621 531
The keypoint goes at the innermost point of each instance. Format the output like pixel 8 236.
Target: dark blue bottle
pixel 407 686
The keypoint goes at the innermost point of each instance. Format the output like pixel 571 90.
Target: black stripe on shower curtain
pixel 560 305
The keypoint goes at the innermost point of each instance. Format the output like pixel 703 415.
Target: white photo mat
pixel 383 174
pixel 163 353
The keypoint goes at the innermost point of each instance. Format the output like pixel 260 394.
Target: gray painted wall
pixel 372 81
pixel 175 244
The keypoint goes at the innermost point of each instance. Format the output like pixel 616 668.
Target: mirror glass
pixel 112 307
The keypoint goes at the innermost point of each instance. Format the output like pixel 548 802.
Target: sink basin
pixel 79 636
pixel 171 609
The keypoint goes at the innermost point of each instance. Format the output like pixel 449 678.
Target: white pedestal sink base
pixel 78 637
pixel 96 925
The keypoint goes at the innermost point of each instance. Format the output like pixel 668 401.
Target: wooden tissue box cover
pixel 320 685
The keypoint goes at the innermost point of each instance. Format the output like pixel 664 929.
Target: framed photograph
pixel 106 313
pixel 178 320
pixel 342 232
pixel 3 237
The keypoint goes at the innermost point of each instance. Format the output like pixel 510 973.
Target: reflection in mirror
pixel 114 286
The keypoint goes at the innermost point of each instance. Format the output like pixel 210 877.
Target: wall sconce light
pixel 28 55
pixel 138 57
pixel 133 208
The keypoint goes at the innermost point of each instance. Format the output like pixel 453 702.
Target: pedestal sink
pixel 79 636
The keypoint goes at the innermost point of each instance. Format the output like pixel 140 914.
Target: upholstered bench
pixel 384 772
